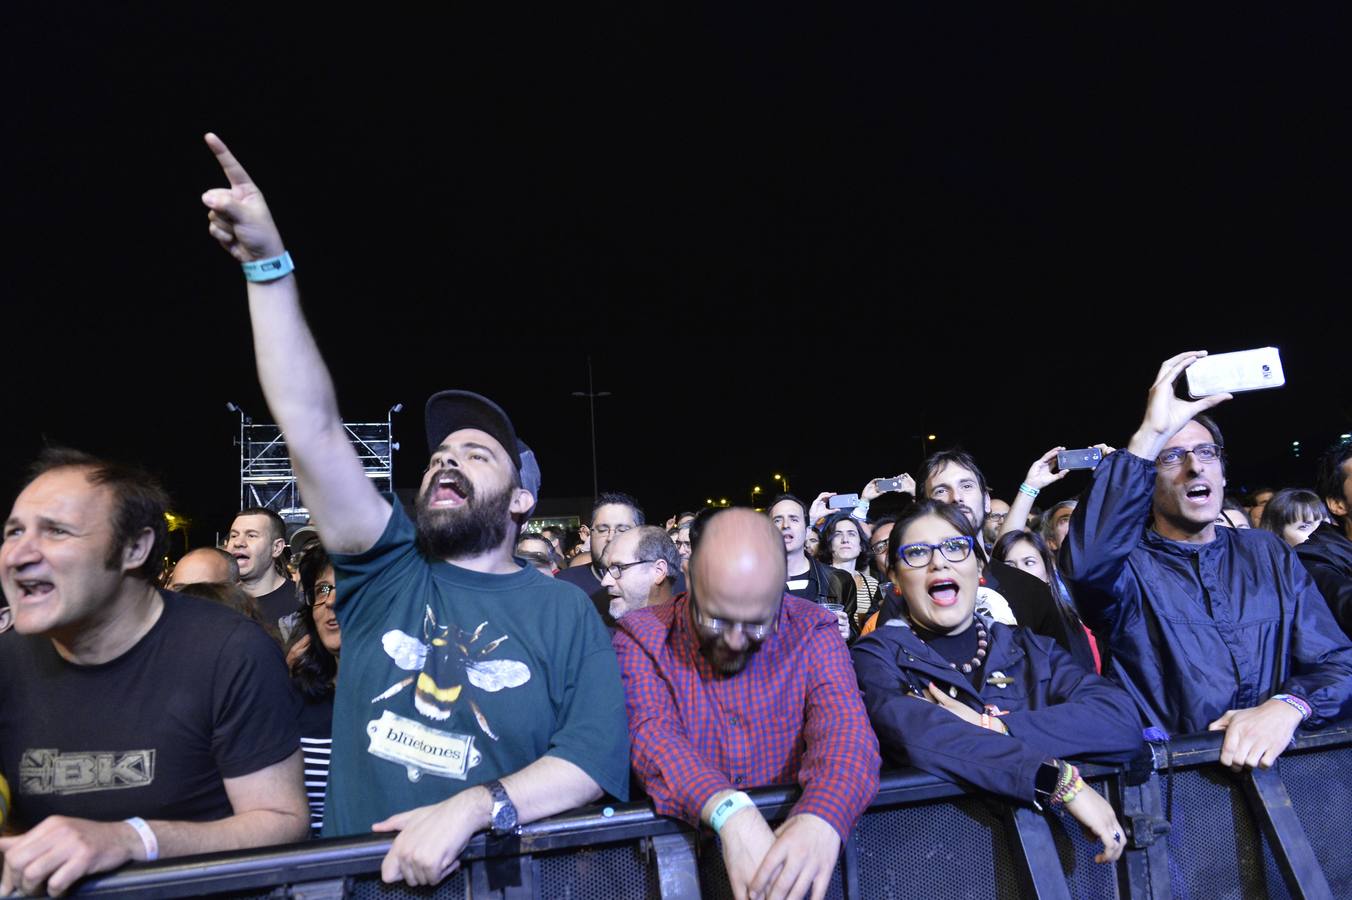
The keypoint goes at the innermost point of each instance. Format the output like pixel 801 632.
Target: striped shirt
pixel 315 753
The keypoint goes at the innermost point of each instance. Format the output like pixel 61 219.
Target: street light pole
pixel 591 396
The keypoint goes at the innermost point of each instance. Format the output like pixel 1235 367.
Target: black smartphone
pixel 842 501
pixel 1087 458
pixel 886 485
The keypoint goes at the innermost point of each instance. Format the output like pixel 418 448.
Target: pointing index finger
pixel 234 172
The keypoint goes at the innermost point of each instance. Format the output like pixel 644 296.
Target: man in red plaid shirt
pixel 737 685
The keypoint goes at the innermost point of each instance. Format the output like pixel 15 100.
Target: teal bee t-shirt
pixel 452 678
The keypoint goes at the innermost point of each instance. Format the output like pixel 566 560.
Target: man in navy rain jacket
pixel 1207 628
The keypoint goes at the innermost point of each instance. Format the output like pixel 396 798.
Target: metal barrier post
pixel 677 872
pixel 1035 854
pixel 1272 806
pixel 1146 860
pixel 502 878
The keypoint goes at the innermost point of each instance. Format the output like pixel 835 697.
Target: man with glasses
pixel 1208 628
pixel 613 514
pixel 738 684
pixel 995 520
pixel 641 566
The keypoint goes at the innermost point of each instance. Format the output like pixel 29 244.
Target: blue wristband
pixel 1301 706
pixel 729 805
pixel 269 269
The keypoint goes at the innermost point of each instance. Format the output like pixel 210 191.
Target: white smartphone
pixel 1231 373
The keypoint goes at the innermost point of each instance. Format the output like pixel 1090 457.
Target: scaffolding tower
pixel 267 480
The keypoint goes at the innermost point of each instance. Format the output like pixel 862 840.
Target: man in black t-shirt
pixel 257 541
pixel 120 703
pixel 806 577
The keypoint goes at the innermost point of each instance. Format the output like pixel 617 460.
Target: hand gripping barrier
pixel 1195 830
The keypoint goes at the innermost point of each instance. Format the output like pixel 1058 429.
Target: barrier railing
pixel 1194 828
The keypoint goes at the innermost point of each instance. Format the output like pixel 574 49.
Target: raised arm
pixel 348 511
pixel 1039 475
pixel 1106 525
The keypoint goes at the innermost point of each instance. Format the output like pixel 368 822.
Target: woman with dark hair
pixel 959 695
pixel 842 547
pixel 1028 551
pixel 313 660
pixel 1293 514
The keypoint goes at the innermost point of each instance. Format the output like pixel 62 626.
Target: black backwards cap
pixel 449 411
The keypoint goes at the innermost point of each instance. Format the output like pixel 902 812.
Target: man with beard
pixel 1168 592
pixel 738 684
pixel 476 692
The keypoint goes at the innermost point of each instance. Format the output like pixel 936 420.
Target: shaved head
pixel 204 565
pixel 738 570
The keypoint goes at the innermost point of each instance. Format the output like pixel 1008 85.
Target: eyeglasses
pixel 755 632
pixel 998 517
pixel 954 549
pixel 1203 452
pixel 606 529
pixel 615 570
pixel 323 591
pixel 879 547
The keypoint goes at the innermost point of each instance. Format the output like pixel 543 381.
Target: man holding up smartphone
pixel 1171 593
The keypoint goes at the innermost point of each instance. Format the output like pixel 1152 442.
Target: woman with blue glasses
pixel 954 693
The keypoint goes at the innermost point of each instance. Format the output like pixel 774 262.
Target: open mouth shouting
pixel 1198 493
pixel 943 591
pixel 449 490
pixel 31 589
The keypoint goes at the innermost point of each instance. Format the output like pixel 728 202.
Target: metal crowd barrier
pixel 1195 830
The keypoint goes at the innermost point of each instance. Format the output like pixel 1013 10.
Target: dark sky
pixel 788 241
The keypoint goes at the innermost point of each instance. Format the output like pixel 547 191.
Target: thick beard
pixel 470 530
pixel 725 665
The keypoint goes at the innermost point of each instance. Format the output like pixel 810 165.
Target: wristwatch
pixel 504 811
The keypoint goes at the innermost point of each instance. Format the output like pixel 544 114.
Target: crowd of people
pixel 446 670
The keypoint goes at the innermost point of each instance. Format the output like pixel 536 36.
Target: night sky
pixel 789 242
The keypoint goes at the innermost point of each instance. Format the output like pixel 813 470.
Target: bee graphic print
pixel 446 660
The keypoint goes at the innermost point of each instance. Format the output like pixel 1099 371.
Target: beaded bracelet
pixel 1071 792
pixel 1063 781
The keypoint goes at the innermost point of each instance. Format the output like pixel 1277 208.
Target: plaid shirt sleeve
pixel 669 767
pixel 839 772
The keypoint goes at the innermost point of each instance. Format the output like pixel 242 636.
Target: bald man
pixel 204 565
pixel 736 684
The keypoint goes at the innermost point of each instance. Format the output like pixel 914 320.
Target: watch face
pixel 504 811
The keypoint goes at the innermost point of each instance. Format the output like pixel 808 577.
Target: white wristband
pixel 148 838
pixel 729 805
pixel 270 269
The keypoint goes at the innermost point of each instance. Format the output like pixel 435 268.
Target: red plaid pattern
pixel 793 714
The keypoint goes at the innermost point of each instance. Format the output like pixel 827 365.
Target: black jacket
pixel 1327 555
